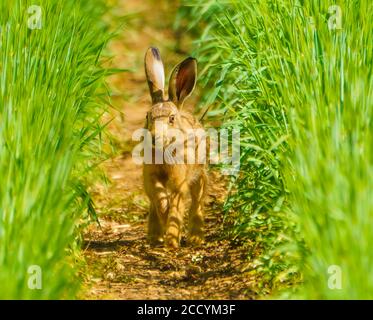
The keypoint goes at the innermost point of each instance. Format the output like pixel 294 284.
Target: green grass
pixel 50 83
pixel 302 96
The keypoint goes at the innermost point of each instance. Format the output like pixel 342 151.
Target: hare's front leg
pixel 197 190
pixel 158 213
pixel 155 227
pixel 176 217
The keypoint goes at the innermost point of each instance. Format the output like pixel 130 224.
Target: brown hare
pixel 168 184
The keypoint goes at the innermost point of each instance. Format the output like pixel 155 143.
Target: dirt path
pixel 121 265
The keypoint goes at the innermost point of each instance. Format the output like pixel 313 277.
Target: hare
pixel 168 185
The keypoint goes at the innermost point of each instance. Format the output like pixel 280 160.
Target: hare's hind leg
pixel 197 190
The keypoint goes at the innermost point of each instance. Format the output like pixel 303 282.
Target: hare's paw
pixel 195 240
pixel 171 241
pixel 156 241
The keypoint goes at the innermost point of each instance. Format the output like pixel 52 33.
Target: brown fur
pixel 168 185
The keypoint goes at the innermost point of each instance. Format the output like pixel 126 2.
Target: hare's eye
pixel 172 119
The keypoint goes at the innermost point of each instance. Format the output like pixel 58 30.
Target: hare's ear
pixel 154 74
pixel 182 81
